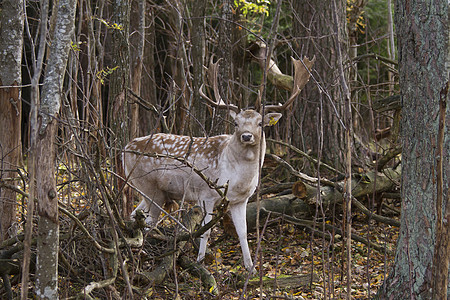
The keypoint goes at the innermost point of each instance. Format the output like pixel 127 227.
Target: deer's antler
pixel 212 72
pixel 302 73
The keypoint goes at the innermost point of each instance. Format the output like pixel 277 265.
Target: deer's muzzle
pixel 247 138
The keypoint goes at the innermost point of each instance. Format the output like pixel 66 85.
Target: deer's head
pixel 249 123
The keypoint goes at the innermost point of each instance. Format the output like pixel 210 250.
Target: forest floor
pixel 287 252
pixel 289 257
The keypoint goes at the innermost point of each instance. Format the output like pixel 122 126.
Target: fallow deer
pixel 225 159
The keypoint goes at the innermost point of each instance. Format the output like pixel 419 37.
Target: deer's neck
pixel 239 152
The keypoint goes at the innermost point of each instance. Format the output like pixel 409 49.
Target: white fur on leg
pixel 145 207
pixel 238 215
pixel 208 209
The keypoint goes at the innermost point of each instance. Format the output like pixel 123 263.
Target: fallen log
pixel 302 201
pixel 287 204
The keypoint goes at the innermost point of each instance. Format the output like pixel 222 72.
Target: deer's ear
pixel 271 119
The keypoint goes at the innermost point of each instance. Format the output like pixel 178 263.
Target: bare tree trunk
pixel 48 232
pixel 240 63
pixel 345 94
pixel 118 108
pixel 10 108
pixel 225 66
pixel 90 65
pixel 137 42
pixel 178 91
pixel 137 57
pixel 118 96
pixel 37 63
pixel 196 107
pixel 320 113
pixel 147 120
pixel 442 250
pixel 423 50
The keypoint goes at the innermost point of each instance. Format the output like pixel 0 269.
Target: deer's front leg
pixel 208 209
pixel 145 207
pixel 151 206
pixel 238 215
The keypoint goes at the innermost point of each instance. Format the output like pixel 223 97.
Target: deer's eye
pixel 235 124
pixel 260 124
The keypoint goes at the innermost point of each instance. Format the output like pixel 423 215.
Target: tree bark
pixel 196 107
pixel 48 231
pixel 441 252
pixel 178 64
pixel 422 35
pixel 118 108
pixel 137 23
pixel 147 122
pixel 10 108
pixel 225 66
pixel 137 41
pixel 320 113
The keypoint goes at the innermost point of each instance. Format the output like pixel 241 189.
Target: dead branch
pixel 84 230
pixel 190 221
pixel 95 285
pixel 85 293
pixel 258 53
pixel 362 185
pixel 299 174
pixel 374 216
pixel 387 104
pixel 387 157
pixel 199 271
pixel 304 154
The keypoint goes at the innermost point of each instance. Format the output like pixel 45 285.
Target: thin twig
pixel 310 225
pixel 84 230
pixel 301 175
pixel 304 154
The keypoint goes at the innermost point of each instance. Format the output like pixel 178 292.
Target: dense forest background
pixel 80 78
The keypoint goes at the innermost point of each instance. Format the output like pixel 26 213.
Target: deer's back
pixel 152 160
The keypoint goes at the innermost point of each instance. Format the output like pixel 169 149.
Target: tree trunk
pixel 320 113
pixel 137 24
pixel 137 42
pixel 422 33
pixel 147 120
pixel 196 106
pixel 178 92
pixel 225 65
pixel 48 232
pixel 118 108
pixel 10 108
pixel 240 63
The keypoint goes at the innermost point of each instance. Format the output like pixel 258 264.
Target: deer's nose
pixel 246 137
